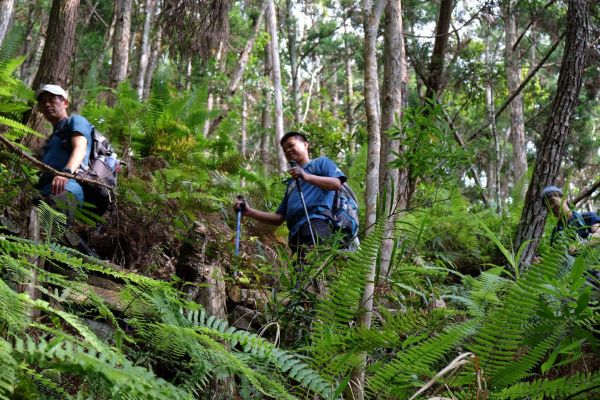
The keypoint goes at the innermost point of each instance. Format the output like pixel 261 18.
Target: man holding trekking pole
pixel 308 198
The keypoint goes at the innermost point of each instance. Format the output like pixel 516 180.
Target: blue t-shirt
pixel 580 222
pixel 58 149
pixel 317 199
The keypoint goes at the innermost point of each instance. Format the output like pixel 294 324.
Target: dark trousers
pixel 302 241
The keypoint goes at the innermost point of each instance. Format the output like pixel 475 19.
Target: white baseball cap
pixel 54 89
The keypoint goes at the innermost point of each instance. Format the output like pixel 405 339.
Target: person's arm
pixel 323 182
pixel 79 144
pixel 261 216
pixel 327 182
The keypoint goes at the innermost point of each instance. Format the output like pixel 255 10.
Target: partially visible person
pixel 66 150
pixel 586 225
pixel 318 180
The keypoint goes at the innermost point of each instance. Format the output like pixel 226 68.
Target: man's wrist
pixel 67 170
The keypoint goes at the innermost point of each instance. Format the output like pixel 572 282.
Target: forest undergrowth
pixel 456 318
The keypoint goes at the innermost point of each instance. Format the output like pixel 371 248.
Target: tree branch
pixel 520 88
pixel 37 163
pixel 586 192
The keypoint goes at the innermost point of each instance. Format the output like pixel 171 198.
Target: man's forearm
pixel 265 217
pixel 79 147
pixel 323 182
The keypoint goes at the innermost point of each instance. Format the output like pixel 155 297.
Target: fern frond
pixel 498 341
pixel 405 372
pixel 578 386
pixel 286 362
pixel 119 376
pixel 18 127
pixel 52 222
pixel 8 366
pixel 13 309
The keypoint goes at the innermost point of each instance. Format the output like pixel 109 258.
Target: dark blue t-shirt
pixel 317 199
pixel 580 222
pixel 58 149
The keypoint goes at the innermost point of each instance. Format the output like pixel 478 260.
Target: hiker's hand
pixel 296 172
pixel 58 185
pixel 241 205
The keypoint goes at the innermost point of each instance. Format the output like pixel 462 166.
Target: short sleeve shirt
pixel 579 222
pixel 58 149
pixel 317 200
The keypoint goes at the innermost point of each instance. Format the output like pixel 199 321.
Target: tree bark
pixel 495 159
pixel 276 77
pixel 145 47
pixel 120 56
pixel 349 96
pixel 152 63
pixel 244 125
pixel 436 66
pixel 550 153
pixel 6 17
pixel 33 49
pixel 394 78
pixel 513 78
pixel 267 98
pixel 372 17
pixel 293 54
pixel 55 62
pixel 237 74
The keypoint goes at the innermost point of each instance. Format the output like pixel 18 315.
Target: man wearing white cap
pixel 67 149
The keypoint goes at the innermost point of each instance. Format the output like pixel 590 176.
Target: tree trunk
pixel 6 16
pixel 393 81
pixel 238 73
pixel 349 96
pixel 293 54
pixel 33 49
pixel 145 48
pixel 276 77
pixel 265 114
pixel 550 153
pixel 372 17
pixel 513 78
pixel 55 61
pixel 152 63
pixel 120 56
pixel 494 162
pixel 436 67
pixel 211 93
pixel 244 125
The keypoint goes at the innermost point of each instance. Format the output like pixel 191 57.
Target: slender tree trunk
pixel 6 17
pixel 33 49
pixel 393 80
pixel 293 54
pixel 276 76
pixel 244 125
pixel 108 37
pixel 513 78
pixel 494 163
pixel 145 47
pixel 335 98
pixel 211 93
pixel 550 153
pixel 238 73
pixel 267 98
pixel 56 57
pixel 349 96
pixel 120 56
pixel 152 63
pixel 372 17
pixel 436 67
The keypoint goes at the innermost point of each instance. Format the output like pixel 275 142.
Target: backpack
pixel 345 215
pixel 103 166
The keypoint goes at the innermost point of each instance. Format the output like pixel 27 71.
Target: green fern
pixel 8 367
pixel 578 386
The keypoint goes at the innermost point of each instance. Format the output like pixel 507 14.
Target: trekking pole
pixel 238 228
pixel 312 236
